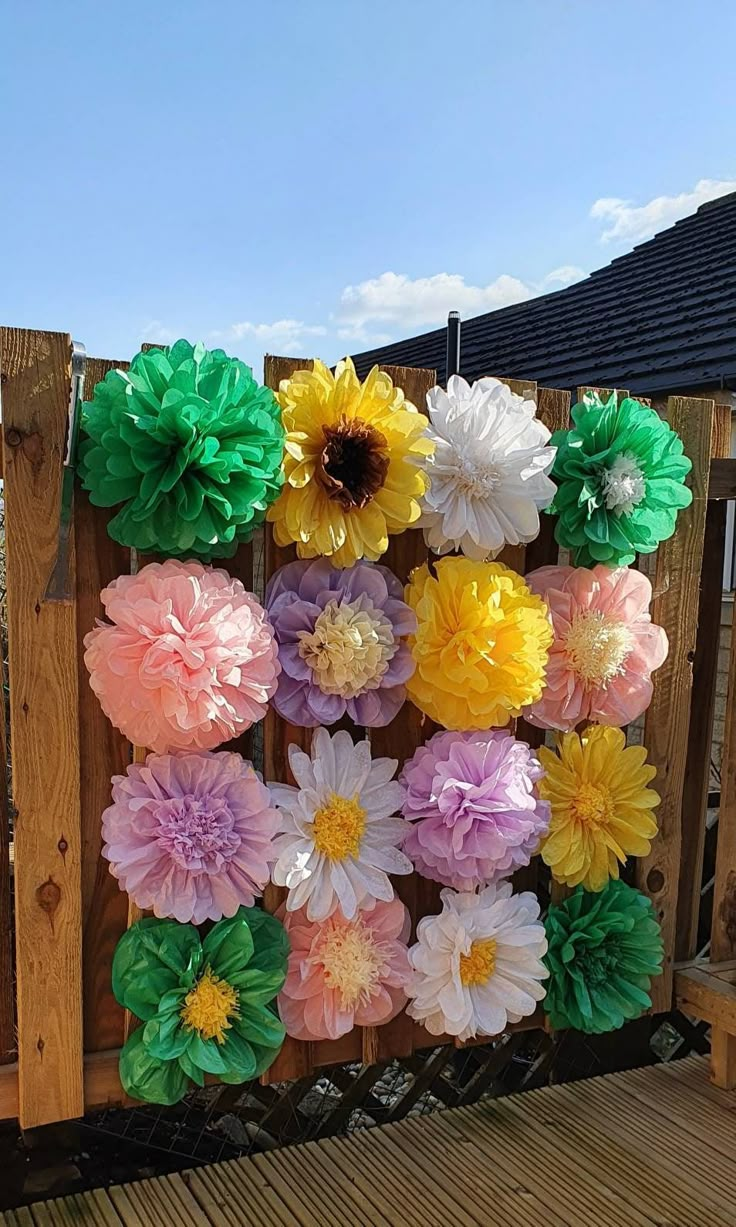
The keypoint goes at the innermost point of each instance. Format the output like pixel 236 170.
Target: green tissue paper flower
pixel 206 1005
pixel 603 951
pixel 619 471
pixel 190 445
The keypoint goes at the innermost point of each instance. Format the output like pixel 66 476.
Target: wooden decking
pixel 649 1148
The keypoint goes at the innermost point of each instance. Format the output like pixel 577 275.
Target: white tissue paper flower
pixel 488 474
pixel 340 837
pixel 478 965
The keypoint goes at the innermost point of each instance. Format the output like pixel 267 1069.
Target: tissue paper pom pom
pixel 473 803
pixel 620 473
pixel 353 452
pixel 477 966
pixel 342 643
pixel 481 643
pixel 604 950
pixel 207 1004
pixel 602 809
pixel 189 444
pixel 189 660
pixel 190 835
pixel 605 649
pixel 340 838
pixel 488 475
pixel 344 973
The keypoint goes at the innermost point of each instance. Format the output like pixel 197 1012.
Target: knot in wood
pixel 48 897
pixel 13 437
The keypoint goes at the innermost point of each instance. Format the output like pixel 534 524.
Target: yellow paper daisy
pixel 351 464
pixel 602 810
pixel 481 644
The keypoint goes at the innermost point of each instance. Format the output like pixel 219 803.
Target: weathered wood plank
pixel 401 737
pixel 722 483
pixel 702 710
pixel 104 752
pixel 8 1045
pixel 295 1059
pixel 667 721
pixel 44 699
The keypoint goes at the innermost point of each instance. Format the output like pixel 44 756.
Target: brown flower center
pixel 354 462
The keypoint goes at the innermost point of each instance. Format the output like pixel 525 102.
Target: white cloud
pixel 157 333
pixel 566 274
pixel 630 223
pixel 280 336
pixel 398 299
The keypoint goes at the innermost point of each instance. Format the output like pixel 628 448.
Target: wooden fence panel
pixel 667 721
pixel 45 733
pixel 104 752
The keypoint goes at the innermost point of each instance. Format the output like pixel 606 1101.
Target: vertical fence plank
pixel 45 733
pixel 295 1059
pixel 702 712
pixel 7 977
pixel 104 752
pixel 723 932
pixel 401 737
pixel 666 725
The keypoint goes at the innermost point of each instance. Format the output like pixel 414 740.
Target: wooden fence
pixel 68 912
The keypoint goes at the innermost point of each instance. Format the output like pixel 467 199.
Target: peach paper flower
pixel 189 661
pixel 605 648
pixel 344 973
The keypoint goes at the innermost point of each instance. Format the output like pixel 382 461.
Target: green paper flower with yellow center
pixel 603 950
pixel 206 1005
pixel 189 446
pixel 620 471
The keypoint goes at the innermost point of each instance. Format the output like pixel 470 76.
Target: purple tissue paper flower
pixel 190 836
pixel 473 806
pixel 342 642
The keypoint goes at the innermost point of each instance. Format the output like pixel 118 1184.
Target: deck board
pixel 647 1148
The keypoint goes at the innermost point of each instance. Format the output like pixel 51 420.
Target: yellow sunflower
pixel 481 644
pixel 351 464
pixel 602 810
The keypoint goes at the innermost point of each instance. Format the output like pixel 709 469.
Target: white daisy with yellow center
pixel 478 965
pixel 340 837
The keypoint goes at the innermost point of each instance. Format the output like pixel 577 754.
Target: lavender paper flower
pixel 342 643
pixel 473 805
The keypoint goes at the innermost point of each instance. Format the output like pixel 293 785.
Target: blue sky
pixel 313 177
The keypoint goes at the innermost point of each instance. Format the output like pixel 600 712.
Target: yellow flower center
pixel 478 966
pixel 592 805
pixel 338 827
pixel 349 649
pixel 353 961
pixel 209 1007
pixel 597 647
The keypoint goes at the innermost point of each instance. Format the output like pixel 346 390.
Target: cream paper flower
pixel 477 966
pixel 340 838
pixel 488 474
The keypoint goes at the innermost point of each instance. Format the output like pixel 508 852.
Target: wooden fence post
pixel 45 733
pixel 667 721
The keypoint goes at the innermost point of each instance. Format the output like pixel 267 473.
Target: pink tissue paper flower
pixel 189 661
pixel 190 836
pixel 473 805
pixel 605 649
pixel 344 973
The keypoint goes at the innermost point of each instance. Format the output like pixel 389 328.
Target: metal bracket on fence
pixel 59 585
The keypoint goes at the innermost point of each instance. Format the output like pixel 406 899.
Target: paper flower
pixel 605 649
pixel 602 810
pixel 189 444
pixel 342 642
pixel 477 966
pixel 351 465
pixel 206 1005
pixel 604 950
pixel 488 475
pixel 345 973
pixel 189 660
pixel 620 472
pixel 474 808
pixel 340 838
pixel 481 643
pixel 190 836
